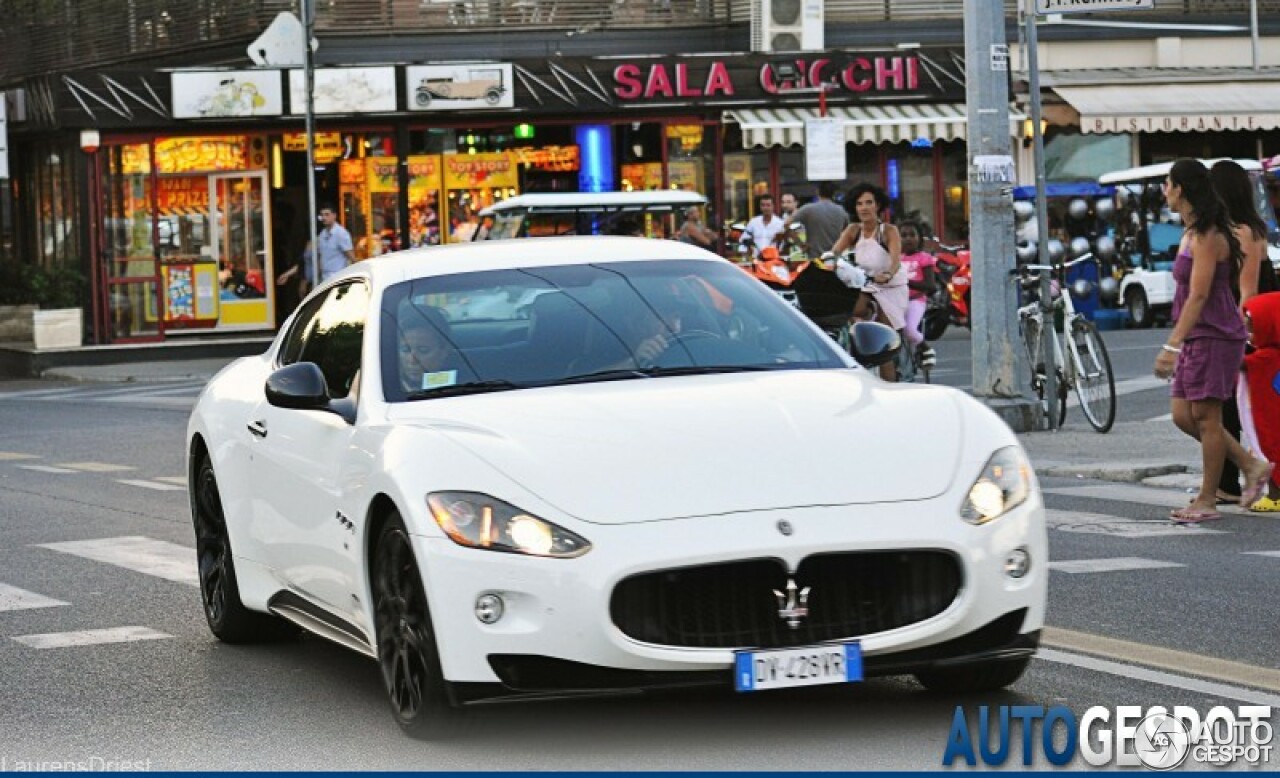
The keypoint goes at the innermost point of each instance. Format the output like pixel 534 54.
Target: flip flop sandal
pixel 1255 490
pixel 1265 505
pixel 1189 516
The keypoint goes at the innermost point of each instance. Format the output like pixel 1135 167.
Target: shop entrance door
pixel 240 217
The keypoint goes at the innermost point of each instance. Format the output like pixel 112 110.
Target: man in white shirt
pixel 765 227
pixel 336 251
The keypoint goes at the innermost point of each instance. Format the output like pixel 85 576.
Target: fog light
pixel 489 608
pixel 1017 563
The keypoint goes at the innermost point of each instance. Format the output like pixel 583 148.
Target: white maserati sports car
pixel 582 465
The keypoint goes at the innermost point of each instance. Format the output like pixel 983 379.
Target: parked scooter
pixel 949 303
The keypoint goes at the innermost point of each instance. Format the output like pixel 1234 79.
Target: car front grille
pixel 734 605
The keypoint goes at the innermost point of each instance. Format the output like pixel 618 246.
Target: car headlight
pixel 1004 483
pixel 480 521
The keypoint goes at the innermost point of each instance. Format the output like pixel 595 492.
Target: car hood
pixel 663 448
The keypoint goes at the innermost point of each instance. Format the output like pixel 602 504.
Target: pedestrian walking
pixel 336 249
pixel 1204 352
pixel 1232 184
pixel 1259 390
pixel 823 221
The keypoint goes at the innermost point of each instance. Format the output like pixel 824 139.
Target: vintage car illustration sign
pixel 459 87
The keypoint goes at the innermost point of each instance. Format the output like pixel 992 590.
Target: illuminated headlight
pixel 479 521
pixel 1004 483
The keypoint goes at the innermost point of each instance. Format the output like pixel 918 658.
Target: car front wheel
pixel 987 677
pixel 407 650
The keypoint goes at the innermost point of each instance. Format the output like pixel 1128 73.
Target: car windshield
pixel 514 329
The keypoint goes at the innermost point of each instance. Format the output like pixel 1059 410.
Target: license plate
pixel 783 668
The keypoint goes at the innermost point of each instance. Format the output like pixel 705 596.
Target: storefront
pixel 191 221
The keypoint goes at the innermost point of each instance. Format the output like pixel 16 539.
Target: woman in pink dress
pixel 1206 348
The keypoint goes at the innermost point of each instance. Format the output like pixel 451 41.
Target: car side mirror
pixel 873 344
pixel 300 386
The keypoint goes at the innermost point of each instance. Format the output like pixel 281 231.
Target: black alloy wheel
pixel 228 619
pixel 407 651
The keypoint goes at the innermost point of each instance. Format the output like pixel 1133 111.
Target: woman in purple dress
pixel 1205 350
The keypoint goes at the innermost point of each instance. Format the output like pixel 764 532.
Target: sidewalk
pixel 1152 452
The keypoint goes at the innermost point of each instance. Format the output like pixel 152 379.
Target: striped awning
pixel 862 124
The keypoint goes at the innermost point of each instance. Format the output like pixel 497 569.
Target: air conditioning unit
pixel 786 25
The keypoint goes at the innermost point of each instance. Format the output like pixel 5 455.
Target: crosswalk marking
pixel 1113 565
pixel 46 469
pixel 1275 554
pixel 180 480
pixel 169 393
pixel 1114 526
pixel 14 599
pixel 1144 495
pixel 159 487
pixel 144 555
pixel 95 467
pixel 9 456
pixel 91 637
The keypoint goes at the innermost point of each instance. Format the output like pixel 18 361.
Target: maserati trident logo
pixel 792 608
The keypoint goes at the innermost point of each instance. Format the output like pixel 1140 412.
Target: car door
pixel 302 454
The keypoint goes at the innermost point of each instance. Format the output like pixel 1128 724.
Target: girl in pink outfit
pixel 921 283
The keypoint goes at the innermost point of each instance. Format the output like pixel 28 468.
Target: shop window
pixel 129 242
pixel 639 149
pixel 909 183
pixel 691 162
pixel 955 192
pixel 50 213
pixel 472 183
pixel 369 193
pixel 746 177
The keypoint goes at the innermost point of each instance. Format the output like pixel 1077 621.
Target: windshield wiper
pixel 623 374
pixel 471 387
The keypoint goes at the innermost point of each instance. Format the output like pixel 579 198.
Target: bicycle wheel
pixel 1094 383
pixel 1030 330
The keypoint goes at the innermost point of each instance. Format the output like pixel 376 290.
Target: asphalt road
pixel 1182 617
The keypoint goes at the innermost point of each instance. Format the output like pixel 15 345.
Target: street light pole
pixel 997 372
pixel 1253 31
pixel 308 30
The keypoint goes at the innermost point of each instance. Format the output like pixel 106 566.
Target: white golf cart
pixel 1149 235
pixel 656 214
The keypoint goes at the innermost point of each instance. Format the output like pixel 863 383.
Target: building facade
pixel 173 173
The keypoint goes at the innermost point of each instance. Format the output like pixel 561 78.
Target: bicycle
pixel 1087 368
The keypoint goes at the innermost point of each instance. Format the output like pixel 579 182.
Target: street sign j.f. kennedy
pixel 1089 6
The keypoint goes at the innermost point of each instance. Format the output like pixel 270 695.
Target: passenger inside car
pixel 428 358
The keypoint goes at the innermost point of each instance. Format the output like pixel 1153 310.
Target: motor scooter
pixel 949 303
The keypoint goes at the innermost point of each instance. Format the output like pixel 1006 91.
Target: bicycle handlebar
pixel 1022 269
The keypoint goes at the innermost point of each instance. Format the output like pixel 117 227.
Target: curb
pixel 1126 472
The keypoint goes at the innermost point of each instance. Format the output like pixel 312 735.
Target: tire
pixel 988 677
pixel 493 96
pixel 1139 308
pixel 422 97
pixel 406 644
pixel 1038 383
pixel 228 619
pixel 1096 388
pixel 935 323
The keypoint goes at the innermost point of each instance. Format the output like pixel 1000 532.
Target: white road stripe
pixel 1101 524
pixel 95 467
pixel 1143 495
pixel 1275 554
pixel 14 599
pixel 180 480
pixel 35 393
pixel 1113 565
pixel 1137 673
pixel 159 487
pixel 9 456
pixel 144 555
pixel 91 637
pixel 46 469
pixel 1165 419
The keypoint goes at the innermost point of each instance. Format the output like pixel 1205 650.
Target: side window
pixel 303 326
pixel 334 337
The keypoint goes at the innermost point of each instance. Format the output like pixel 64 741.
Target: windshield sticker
pixel 440 379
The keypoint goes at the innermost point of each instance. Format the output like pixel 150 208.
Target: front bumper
pixel 557 624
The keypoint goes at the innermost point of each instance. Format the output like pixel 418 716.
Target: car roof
pixel 1148 172
pixel 515 253
pixel 563 200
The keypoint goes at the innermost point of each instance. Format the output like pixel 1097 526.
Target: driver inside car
pixel 427 358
